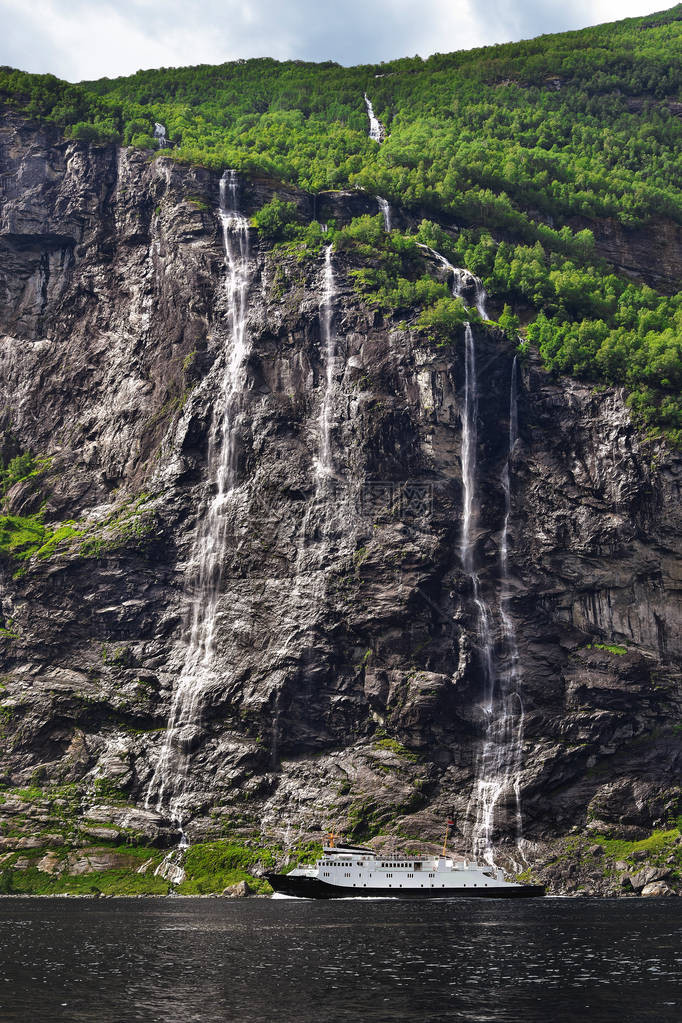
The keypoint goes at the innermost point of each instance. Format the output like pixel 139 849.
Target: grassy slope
pixel 507 140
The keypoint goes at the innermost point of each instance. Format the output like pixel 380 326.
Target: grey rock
pixel 345 618
pixel 650 874
pixel 656 888
pixel 237 891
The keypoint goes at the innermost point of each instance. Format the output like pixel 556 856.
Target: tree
pixel 276 220
pixel 509 323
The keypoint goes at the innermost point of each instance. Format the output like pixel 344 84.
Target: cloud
pixel 79 39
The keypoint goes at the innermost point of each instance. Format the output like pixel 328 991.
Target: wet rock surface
pixel 346 683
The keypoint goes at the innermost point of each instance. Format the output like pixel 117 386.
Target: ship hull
pixel 312 888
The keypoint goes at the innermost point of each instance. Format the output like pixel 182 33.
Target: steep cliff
pixel 344 681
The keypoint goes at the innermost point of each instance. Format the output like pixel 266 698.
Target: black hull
pixel 312 888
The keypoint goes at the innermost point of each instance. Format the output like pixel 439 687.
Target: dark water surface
pixel 124 960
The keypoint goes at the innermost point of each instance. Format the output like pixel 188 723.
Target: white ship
pixel 350 871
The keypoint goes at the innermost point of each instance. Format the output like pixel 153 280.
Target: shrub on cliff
pixel 276 221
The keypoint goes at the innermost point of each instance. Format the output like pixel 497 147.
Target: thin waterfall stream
pixel 205 567
pixel 498 761
pixel 463 281
pixel 512 695
pixel 319 504
pixel 325 462
pixel 385 212
pixel 376 129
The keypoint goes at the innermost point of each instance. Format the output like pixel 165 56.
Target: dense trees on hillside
pixel 525 141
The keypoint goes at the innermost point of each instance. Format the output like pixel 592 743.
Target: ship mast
pixel 450 824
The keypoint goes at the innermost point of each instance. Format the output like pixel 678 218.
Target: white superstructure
pixel 359 868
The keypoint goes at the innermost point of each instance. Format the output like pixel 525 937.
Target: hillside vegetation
pixel 523 145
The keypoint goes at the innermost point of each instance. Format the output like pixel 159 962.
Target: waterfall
pixel 482 793
pixel 464 283
pixel 498 763
pixel 506 472
pixel 512 696
pixel 325 462
pixel 386 211
pixel 376 128
pixel 204 574
pixel 160 134
pixel 469 445
pixel 330 510
pixel 481 297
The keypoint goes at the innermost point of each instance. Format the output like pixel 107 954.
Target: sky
pixel 82 39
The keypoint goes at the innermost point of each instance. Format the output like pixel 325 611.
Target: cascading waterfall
pixel 204 573
pixel 318 508
pixel 469 444
pixel 325 461
pixel 462 281
pixel 481 795
pixel 386 213
pixel 512 695
pixel 376 128
pixel 160 134
pixel 506 480
pixel 328 527
pixel 498 763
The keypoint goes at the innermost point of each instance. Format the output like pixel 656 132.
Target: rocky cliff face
pixel 345 682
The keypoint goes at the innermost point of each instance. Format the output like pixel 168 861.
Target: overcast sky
pixel 78 39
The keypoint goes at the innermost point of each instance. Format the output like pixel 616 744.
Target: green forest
pixel 523 145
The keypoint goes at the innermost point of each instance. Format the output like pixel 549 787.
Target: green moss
pixel 359 556
pixel 62 533
pixel 213 866
pixel 308 852
pixel 198 202
pixel 119 881
pixel 107 882
pixel 658 844
pixel 609 647
pixel 188 361
pixel 21 536
pixel 365 820
pixel 22 467
pixel 33 794
pixel 128 530
pixel 396 747
pixel 108 790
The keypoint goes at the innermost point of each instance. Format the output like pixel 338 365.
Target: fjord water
pixel 163 960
